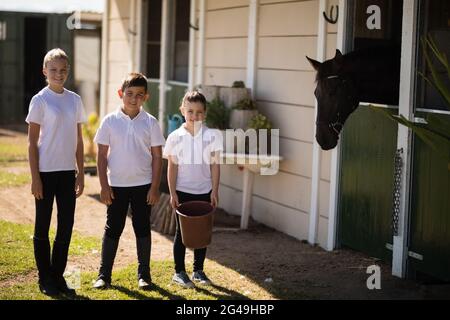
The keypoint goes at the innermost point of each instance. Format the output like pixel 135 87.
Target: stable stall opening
pixel 35 47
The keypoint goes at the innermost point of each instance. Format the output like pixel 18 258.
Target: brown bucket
pixel 196 222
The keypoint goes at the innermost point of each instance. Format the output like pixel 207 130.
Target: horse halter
pixel 337 125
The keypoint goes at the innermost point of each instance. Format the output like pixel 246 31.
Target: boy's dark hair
pixel 134 79
pixel 194 96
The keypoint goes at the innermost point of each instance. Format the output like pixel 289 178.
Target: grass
pixel 13 151
pixel 16 259
pixel 227 285
pixel 16 248
pixel 9 179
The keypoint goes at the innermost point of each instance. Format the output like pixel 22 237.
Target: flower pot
pixel 231 96
pixel 210 92
pixel 196 222
pixel 239 118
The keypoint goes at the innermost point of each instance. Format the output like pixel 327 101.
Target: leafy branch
pixel 436 132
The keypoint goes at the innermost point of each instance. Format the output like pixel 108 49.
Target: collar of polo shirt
pixel 124 115
pixel 184 131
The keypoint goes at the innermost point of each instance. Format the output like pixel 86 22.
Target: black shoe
pixel 61 285
pixel 145 284
pixel 48 288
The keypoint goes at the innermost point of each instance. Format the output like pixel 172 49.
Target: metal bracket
pixel 420 120
pixel 332 19
pixel 415 255
pixel 410 253
pixel 196 28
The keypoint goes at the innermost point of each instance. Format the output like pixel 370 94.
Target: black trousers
pixel 117 211
pixel 59 185
pixel 179 250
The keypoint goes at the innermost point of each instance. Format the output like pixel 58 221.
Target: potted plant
pixel 217 115
pixel 241 113
pixel 258 122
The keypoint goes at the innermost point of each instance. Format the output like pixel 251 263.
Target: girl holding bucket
pixel 193 174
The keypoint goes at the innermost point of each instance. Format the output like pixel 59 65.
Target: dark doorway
pixel 34 51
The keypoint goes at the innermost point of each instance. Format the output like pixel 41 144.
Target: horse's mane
pixel 376 73
pixel 367 60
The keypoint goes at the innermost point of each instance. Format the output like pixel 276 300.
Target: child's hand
pixel 152 197
pixel 174 201
pixel 214 199
pixel 36 189
pixel 79 185
pixel 106 195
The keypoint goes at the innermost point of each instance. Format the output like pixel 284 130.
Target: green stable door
pixel 430 212
pixel 366 183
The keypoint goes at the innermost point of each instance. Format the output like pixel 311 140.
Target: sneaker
pixel 101 284
pixel 144 284
pixel 200 276
pixel 183 280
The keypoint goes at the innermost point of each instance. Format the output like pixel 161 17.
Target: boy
pixel 55 152
pixel 193 173
pixel 129 166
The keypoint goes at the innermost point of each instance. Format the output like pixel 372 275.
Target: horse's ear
pixel 315 64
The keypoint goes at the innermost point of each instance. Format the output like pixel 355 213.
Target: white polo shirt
pixel 129 141
pixel 193 157
pixel 58 115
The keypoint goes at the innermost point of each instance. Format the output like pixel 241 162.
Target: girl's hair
pixel 194 96
pixel 134 79
pixel 54 54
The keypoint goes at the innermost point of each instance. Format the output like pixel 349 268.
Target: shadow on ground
pixel 292 269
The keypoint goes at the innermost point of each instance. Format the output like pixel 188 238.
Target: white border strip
pixel 163 63
pixel 335 154
pixel 192 45
pixel 104 62
pixel 139 38
pixel 316 160
pixel 252 46
pixel 201 43
pixel 406 101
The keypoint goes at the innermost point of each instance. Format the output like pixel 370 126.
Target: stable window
pixel 153 38
pixel 435 22
pixel 178 44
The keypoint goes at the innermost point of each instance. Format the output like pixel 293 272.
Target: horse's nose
pixel 326 138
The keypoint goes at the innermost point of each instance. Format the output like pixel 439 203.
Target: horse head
pixel 336 96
